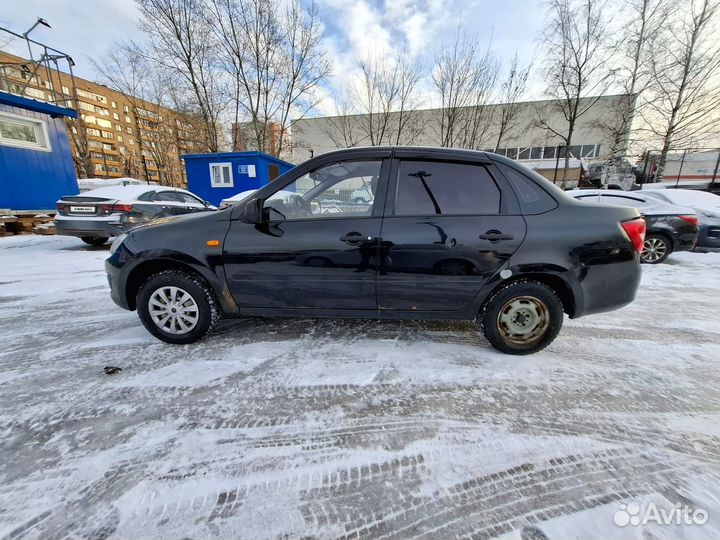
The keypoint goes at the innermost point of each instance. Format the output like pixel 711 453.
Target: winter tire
pixel 95 240
pixel 655 249
pixel 522 317
pixel 177 307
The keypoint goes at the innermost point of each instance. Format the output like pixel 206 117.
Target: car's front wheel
pixel 655 249
pixel 95 240
pixel 522 317
pixel 177 307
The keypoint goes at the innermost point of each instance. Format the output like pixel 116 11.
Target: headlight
pixel 116 243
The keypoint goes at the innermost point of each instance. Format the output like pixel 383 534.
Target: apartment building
pixel 116 135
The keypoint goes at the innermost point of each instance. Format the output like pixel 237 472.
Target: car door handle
pixel 355 238
pixel 493 235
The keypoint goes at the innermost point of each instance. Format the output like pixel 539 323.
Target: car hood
pixel 173 220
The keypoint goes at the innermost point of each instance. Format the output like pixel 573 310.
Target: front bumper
pixel 115 268
pixel 87 227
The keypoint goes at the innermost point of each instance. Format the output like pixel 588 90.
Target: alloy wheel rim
pixel 523 319
pixel 654 249
pixel 173 310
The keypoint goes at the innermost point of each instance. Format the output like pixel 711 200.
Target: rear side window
pixel 434 187
pixel 533 199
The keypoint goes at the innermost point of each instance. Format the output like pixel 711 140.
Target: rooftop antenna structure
pixel 16 77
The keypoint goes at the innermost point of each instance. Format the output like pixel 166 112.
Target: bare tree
pixel 273 56
pixel 642 28
pixel 512 90
pixel 465 78
pixel 685 91
pixel 577 46
pixel 344 127
pixel 181 42
pixel 126 69
pixel 387 99
pixel 77 129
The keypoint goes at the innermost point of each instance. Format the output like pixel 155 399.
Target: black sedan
pixel 447 234
pixel 707 207
pixel 95 216
pixel 669 227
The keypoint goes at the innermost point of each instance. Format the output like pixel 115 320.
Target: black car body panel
pixel 392 266
pixel 682 235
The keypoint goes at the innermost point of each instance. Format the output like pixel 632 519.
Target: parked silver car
pixel 98 214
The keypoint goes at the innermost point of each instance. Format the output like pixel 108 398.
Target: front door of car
pixel 447 229
pixel 314 247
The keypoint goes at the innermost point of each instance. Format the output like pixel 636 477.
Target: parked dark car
pixel 449 234
pixel 706 205
pixel 96 215
pixel 669 227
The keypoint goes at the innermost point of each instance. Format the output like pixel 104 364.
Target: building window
pixel 114 104
pixel 221 175
pixel 125 108
pixel 116 116
pixel 127 119
pixel 23 132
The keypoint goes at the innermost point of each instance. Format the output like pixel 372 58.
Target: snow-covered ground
pixel 315 428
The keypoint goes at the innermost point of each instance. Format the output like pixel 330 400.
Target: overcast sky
pixel 86 28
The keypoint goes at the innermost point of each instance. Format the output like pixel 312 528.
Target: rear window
pixel 436 187
pixel 533 199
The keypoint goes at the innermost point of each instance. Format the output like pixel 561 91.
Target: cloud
pixel 82 29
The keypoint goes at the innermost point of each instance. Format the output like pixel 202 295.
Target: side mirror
pixel 252 212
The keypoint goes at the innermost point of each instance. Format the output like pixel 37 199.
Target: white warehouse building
pixel 528 139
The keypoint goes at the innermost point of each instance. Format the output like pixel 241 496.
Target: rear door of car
pixel 449 225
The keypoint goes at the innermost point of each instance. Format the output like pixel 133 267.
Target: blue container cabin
pixel 36 166
pixel 215 177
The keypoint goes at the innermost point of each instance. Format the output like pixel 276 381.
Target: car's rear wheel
pixel 522 317
pixel 177 307
pixel 95 240
pixel 655 249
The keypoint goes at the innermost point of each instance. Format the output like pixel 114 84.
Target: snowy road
pixel 321 429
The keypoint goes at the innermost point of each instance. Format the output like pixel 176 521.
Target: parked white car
pixel 96 215
pixel 285 196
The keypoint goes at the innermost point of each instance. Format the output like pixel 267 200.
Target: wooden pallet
pixel 25 222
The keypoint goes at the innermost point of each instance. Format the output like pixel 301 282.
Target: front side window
pixel 343 189
pixel 23 132
pixel 221 175
pixel 434 187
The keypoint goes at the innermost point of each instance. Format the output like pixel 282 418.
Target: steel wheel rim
pixel 523 319
pixel 654 249
pixel 173 310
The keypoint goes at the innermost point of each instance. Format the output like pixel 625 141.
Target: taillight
pixel 635 231
pixel 692 220
pixel 62 207
pixel 122 208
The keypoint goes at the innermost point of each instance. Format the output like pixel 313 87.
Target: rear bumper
pixel 606 287
pixel 86 227
pixel 685 241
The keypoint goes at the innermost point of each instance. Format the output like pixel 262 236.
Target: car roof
pixel 611 192
pixel 126 192
pixel 653 206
